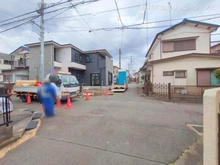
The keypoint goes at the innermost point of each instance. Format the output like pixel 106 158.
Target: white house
pixel 180 55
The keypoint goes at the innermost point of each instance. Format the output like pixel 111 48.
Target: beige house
pixel 215 48
pixel 180 55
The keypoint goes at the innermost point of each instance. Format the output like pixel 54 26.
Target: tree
pixel 217 74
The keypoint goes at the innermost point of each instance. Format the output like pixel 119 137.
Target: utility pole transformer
pixel 42 42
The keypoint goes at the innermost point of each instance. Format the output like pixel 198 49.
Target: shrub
pixel 217 74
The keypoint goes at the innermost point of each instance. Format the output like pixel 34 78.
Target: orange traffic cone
pixel 8 91
pixel 87 96
pixel 68 104
pixel 28 99
pixel 106 92
pixel 58 103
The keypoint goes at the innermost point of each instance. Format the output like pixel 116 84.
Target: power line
pixel 111 10
pixel 19 24
pixel 132 26
pixel 57 14
pixel 53 5
pixel 6 43
pixel 87 24
pixel 18 20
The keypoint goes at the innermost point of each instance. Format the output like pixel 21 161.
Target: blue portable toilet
pixel 122 80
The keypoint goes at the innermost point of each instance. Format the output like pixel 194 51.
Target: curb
pixel 193 155
pixel 19 133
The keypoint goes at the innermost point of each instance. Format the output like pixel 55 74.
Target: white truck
pixel 65 84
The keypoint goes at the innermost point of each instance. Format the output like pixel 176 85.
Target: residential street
pixel 123 129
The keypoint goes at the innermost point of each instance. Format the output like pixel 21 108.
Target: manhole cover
pixel 98 111
pixel 193 113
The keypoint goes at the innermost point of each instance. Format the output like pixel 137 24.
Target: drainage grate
pixel 198 128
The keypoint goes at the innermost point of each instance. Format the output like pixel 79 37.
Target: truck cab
pixel 65 84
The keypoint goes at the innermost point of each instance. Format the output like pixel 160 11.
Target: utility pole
pixel 119 58
pixel 42 41
pixel 170 12
pixel 131 63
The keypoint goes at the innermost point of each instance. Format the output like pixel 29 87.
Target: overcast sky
pixel 97 25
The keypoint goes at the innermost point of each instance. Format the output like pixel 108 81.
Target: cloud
pixel 73 26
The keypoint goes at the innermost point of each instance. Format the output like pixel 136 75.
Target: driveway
pixel 123 129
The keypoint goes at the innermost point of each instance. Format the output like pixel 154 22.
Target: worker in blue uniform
pixel 46 94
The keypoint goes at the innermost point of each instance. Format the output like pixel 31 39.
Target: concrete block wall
pixel 211 105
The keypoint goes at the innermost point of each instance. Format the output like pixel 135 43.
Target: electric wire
pixel 6 43
pixel 19 24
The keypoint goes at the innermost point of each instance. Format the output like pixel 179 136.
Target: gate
pixel 5 118
pixel 158 91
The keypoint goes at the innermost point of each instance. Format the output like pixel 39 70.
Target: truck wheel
pixel 23 98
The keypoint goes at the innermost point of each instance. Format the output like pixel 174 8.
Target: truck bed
pixel 25 89
pixel 119 88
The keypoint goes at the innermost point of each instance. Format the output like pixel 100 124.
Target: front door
pixel 95 79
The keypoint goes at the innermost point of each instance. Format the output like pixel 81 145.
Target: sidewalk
pixel 20 118
pixel 193 155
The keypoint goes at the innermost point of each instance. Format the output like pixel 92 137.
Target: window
pixel 88 59
pixel 180 74
pixel 168 73
pixel 185 45
pixel 55 54
pixel 72 57
pixel 76 56
pixel 80 58
pixel 181 45
pixel 207 78
pixel 7 62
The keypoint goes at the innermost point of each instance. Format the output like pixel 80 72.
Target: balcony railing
pixel 19 63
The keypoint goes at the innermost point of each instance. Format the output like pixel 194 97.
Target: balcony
pixel 21 63
pixel 57 64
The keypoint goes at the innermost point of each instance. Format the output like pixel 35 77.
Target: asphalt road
pixel 123 129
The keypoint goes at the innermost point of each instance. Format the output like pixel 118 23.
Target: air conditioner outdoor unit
pixel 184 92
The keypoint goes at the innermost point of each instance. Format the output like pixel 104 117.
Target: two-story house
pixel 180 55
pixel 19 66
pixel 92 68
pixel 5 63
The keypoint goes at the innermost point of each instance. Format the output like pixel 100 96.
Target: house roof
pixel 20 49
pixel 212 28
pixel 201 55
pixel 5 56
pixel 101 51
pixel 215 45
